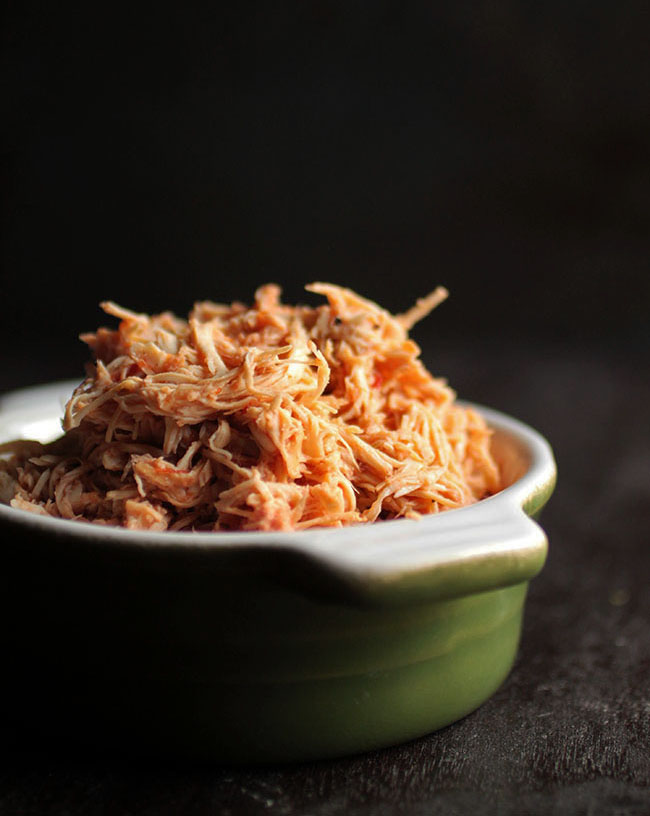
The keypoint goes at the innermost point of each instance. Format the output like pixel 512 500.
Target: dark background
pixel 499 148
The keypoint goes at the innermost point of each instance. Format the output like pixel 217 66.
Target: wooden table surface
pixel 568 732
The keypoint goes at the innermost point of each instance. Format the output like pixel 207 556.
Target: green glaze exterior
pixel 257 649
pixel 172 657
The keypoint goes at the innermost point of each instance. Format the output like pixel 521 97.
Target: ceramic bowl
pixel 264 647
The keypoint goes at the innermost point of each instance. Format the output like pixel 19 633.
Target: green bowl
pixel 264 647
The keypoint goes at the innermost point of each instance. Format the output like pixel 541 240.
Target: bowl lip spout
pixel 493 543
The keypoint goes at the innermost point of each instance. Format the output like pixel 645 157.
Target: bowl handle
pixel 486 546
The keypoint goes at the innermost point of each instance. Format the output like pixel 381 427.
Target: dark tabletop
pixel 568 732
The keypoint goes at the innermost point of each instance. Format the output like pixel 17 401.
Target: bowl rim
pixel 491 543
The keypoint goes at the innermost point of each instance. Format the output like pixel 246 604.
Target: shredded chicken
pixel 272 417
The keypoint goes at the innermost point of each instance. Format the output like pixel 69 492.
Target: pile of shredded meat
pixel 270 417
